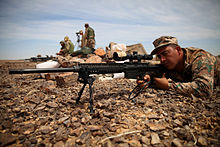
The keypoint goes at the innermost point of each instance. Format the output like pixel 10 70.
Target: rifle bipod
pixel 89 81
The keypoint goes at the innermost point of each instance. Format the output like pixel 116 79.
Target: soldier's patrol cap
pixel 163 41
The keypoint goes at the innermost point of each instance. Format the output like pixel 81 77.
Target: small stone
pixel 109 115
pixel 70 142
pixel 39 108
pixel 122 145
pixel 190 143
pixel 61 120
pixel 134 143
pixel 181 133
pixel 6 139
pixel 35 100
pixel 60 81
pixel 99 52
pixel 102 105
pixel 107 144
pixel 97 133
pixel 176 142
pixel 156 127
pixel 84 120
pixel 17 109
pixel 42 121
pixel 83 138
pixel 74 119
pixel 155 139
pixel 202 141
pixel 27 132
pixel 51 104
pixel 45 129
pixel 145 140
pixel 61 134
pixel 148 95
pixel 94 59
pixel 33 140
pixel 153 116
pixel 76 132
pixel 176 121
pixel 67 123
pixel 94 128
pixel 59 144
pixel 165 133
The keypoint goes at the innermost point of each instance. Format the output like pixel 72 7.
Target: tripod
pixel 78 41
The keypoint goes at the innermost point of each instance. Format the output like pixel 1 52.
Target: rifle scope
pixel 132 57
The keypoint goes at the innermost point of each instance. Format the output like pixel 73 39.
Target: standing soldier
pixel 90 36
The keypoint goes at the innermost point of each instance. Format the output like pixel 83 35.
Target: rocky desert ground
pixel 40 112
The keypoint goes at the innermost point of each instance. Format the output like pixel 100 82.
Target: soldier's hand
pixel 161 83
pixel 142 82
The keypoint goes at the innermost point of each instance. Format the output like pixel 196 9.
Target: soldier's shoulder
pixel 194 54
pixel 192 51
pixel 89 28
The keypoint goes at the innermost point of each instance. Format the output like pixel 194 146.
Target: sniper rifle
pixel 132 70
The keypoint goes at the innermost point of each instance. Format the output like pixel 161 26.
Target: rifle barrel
pixel 43 70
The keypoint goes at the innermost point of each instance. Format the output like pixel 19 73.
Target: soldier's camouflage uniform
pixel 201 74
pixel 69 47
pixel 90 35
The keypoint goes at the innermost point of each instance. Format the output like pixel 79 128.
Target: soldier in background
pixel 83 39
pixel 63 49
pixel 90 36
pixel 68 45
pixel 191 71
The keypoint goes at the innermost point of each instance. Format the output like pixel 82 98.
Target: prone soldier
pixel 191 71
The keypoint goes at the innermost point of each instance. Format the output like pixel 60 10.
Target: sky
pixel 32 27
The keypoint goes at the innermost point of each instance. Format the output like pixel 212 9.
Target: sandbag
pixel 48 64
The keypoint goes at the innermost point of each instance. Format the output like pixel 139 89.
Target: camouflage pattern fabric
pixel 200 75
pixel 90 35
pixel 69 47
pixel 91 43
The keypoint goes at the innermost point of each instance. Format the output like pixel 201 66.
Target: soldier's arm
pixel 202 79
pixel 67 46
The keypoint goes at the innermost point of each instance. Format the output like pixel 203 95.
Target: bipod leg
pixel 80 93
pixel 90 82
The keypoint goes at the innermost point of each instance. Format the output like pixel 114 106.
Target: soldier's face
pixel 169 57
